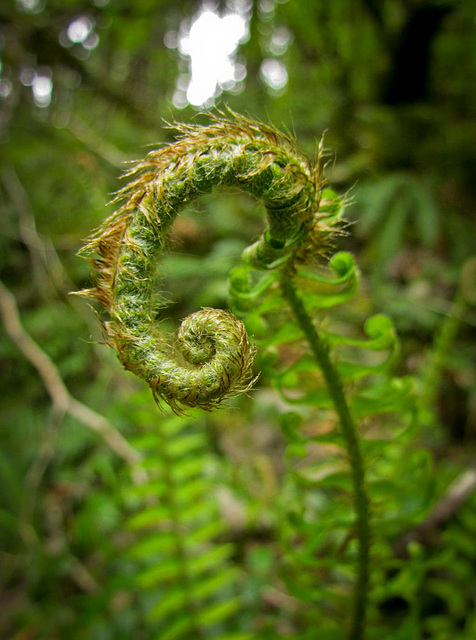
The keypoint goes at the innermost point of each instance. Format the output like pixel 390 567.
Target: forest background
pixel 86 86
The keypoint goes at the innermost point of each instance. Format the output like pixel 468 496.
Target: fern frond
pixel 188 574
pixel 318 533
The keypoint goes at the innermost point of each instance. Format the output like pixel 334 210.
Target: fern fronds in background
pixel 396 209
pixel 193 586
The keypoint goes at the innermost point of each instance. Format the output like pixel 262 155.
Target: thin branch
pixel 95 143
pixel 27 226
pixel 57 544
pixel 63 401
pixel 33 478
pixel 42 252
pixel 45 262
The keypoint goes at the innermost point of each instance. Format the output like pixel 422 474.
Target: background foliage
pixel 392 82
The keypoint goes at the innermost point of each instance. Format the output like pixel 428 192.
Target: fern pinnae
pixel 176 525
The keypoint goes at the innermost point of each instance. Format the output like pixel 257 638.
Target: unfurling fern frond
pixel 281 291
pixel 211 357
pixel 320 519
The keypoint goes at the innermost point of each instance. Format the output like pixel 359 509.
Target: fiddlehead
pixel 211 356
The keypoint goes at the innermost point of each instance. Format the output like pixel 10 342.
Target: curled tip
pixel 215 358
pixel 211 356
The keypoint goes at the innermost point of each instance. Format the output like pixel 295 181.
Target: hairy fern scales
pixel 211 358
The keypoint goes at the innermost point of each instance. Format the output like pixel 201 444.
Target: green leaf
pixel 290 423
pixel 217 612
pixel 171 601
pixel 205 532
pixel 148 517
pixel 185 444
pixel 153 488
pixel 375 200
pixel 390 237
pixel 210 559
pixel 287 333
pixel 192 490
pixel 216 583
pixel 180 629
pixel 188 468
pixel 331 206
pixel 426 215
pixel 155 544
pixel 167 570
pixel 318 476
pixel 325 290
pixel 383 397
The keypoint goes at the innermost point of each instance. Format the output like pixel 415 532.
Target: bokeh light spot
pixel 211 43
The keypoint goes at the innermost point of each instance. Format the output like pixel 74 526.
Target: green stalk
pixel 361 503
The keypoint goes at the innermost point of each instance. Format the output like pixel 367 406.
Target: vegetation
pixel 334 498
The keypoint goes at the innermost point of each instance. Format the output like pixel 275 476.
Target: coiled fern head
pixel 210 358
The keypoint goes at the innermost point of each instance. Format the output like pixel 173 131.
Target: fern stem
pixel 361 503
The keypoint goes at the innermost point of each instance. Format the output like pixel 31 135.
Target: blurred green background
pixel 86 86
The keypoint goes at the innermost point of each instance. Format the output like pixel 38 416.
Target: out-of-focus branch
pixel 97 144
pixel 63 401
pixel 42 252
pixel 27 226
pixel 458 492
pixel 46 265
